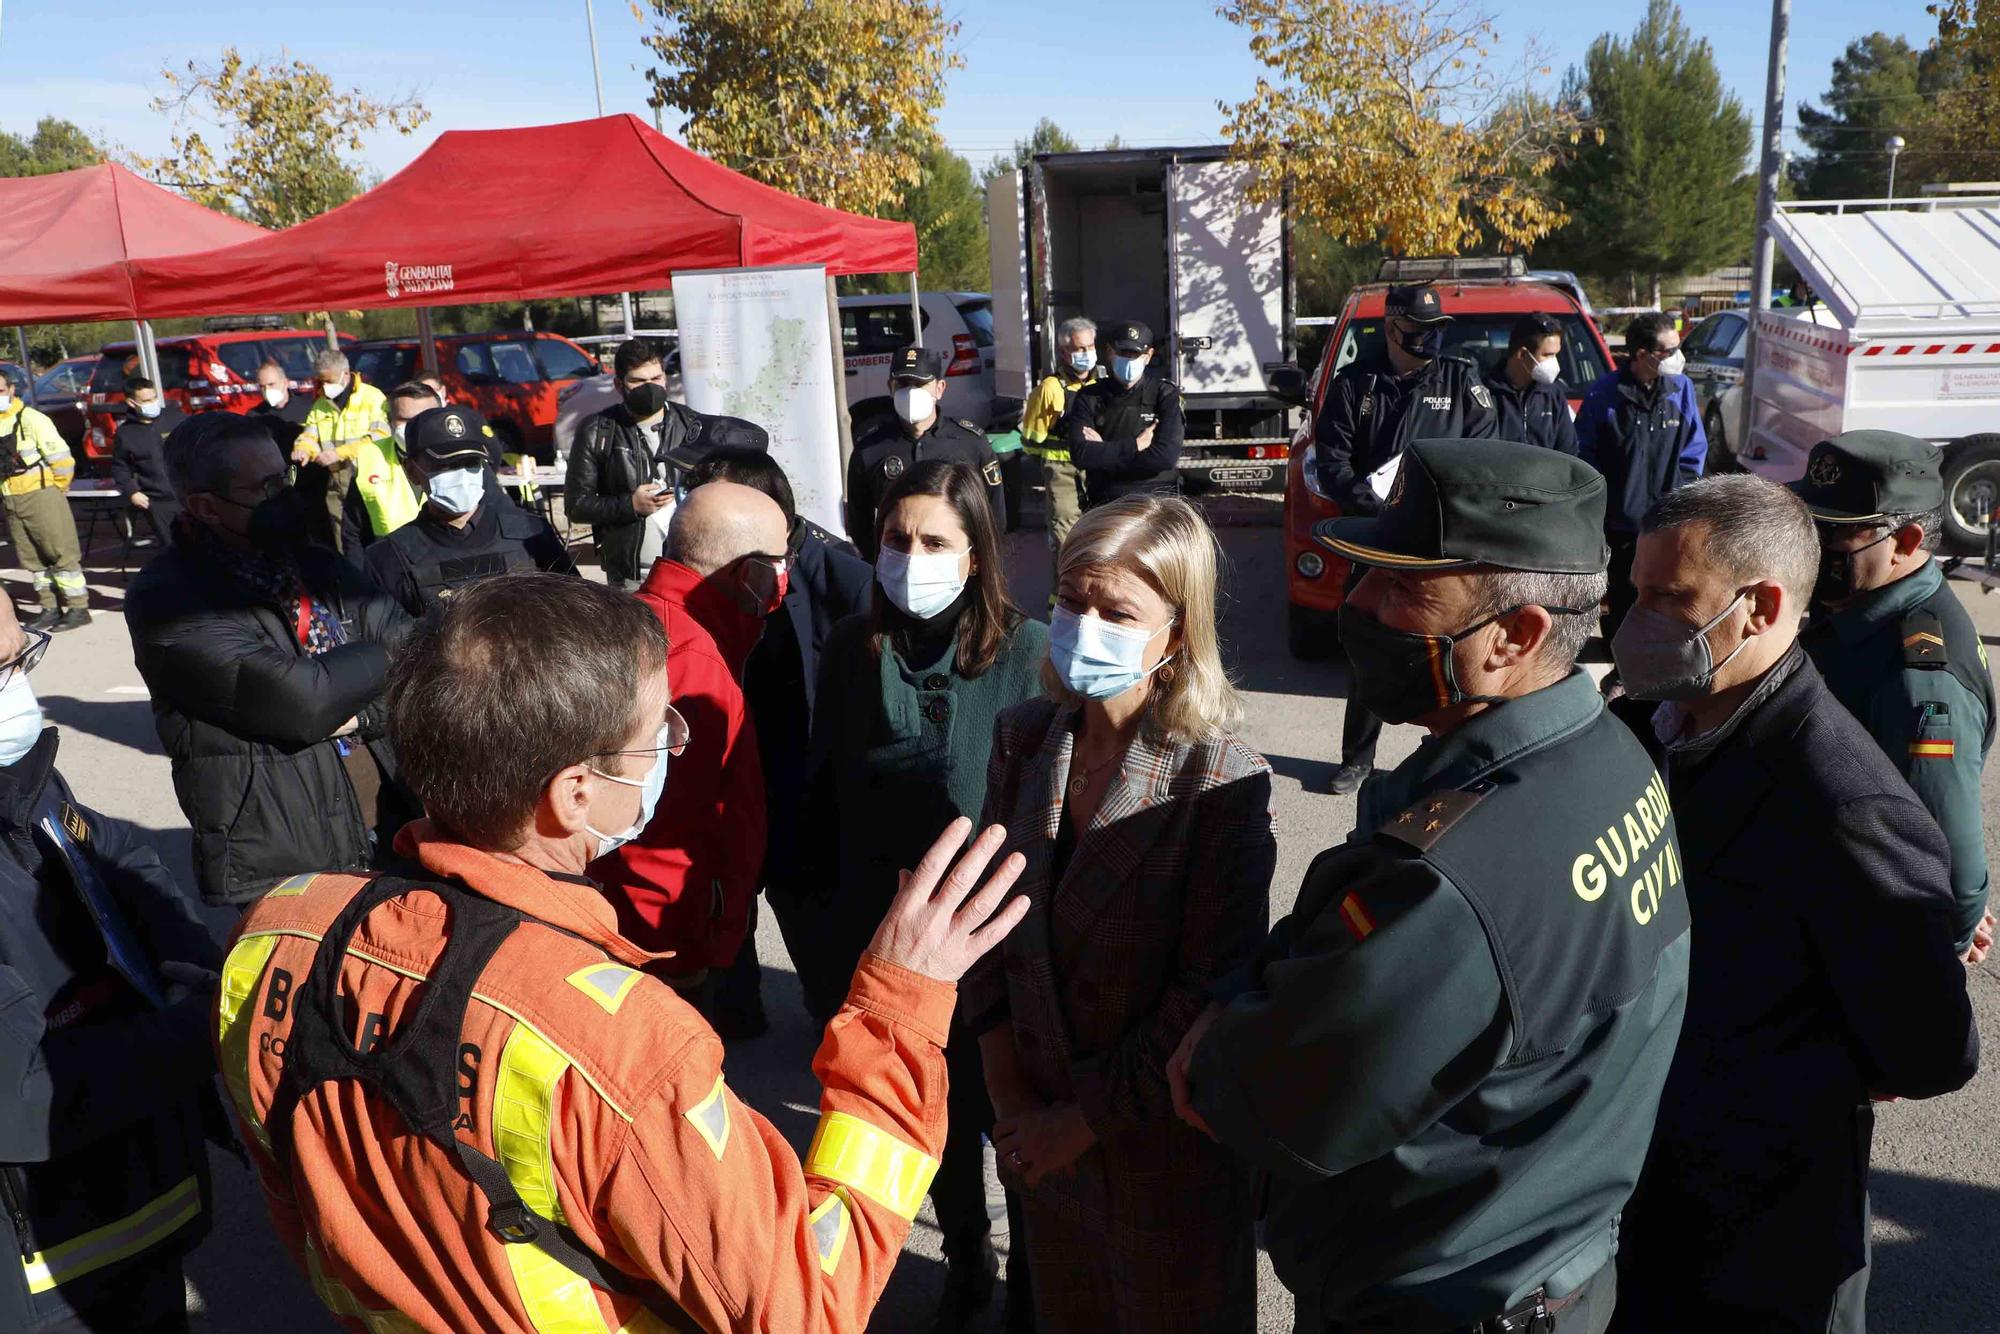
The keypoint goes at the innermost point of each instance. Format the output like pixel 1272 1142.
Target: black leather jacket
pixel 612 456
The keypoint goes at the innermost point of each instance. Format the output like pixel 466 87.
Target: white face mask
pixel 915 403
pixel 6 402
pixel 921 584
pixel 1674 363
pixel 650 787
pixel 1547 370
pixel 20 719
pixel 277 395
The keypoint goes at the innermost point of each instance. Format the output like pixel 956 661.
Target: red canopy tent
pixel 588 207
pixel 67 241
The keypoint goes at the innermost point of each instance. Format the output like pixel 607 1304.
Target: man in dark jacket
pixel 1124 430
pixel 468 529
pixel 1641 427
pixel 1823 973
pixel 104 1049
pixel 281 409
pixel 621 481
pixel 1529 393
pixel 827 582
pixel 1401 388
pixel 138 463
pixel 266 660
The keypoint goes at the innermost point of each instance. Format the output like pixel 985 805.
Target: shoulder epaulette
pixel 1923 639
pixel 1422 825
pixel 968 425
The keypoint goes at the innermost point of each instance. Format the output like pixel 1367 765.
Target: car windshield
pixel 1482 337
pixel 385 367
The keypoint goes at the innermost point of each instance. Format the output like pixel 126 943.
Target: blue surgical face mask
pixel 920 584
pixel 148 410
pixel 20 719
pixel 1096 659
pixel 1082 360
pixel 650 787
pixel 458 491
pixel 1127 369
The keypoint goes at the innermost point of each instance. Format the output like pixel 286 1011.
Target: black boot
pixel 45 619
pixel 968 1289
pixel 73 619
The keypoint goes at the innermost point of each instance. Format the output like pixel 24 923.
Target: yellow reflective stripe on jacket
pixel 41 448
pixel 147 1225
pixel 242 972
pixel 855 1153
pixel 338 1298
pixel 559 1300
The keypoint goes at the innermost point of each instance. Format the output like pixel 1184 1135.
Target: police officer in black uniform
pixel 1450 1056
pixel 468 529
pixel 1125 429
pixel 887 446
pixel 1399 389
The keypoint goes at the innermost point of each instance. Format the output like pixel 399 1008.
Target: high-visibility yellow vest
pixel 45 457
pixel 385 488
pixel 337 426
pixel 1044 413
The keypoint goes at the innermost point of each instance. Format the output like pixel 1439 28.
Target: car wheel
pixel 1721 458
pixel 1971 492
pixel 1311 635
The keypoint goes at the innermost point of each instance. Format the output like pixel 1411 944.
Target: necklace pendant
pixel 1078 784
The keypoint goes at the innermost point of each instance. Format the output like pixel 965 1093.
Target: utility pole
pixel 597 76
pixel 1763 251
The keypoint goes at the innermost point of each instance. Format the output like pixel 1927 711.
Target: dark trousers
pixel 1622 594
pixel 958 1191
pixel 739 988
pixel 1588 1310
pixel 150 1300
pixel 1360 730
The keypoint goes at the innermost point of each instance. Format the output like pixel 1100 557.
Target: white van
pixel 961 323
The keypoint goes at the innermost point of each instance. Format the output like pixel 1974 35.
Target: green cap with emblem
pixel 1481 502
pixel 1863 476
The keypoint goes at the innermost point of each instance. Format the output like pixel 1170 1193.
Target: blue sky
pixel 1150 73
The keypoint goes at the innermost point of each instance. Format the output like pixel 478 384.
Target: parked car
pixel 1483 312
pixel 62 409
pixel 579 402
pixel 1715 350
pixel 200 372
pixel 872 327
pixel 1568 282
pixel 513 377
pixel 66 379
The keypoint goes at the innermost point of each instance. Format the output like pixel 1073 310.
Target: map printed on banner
pixel 755 344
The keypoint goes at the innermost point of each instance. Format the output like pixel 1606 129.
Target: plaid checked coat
pixel 1168 888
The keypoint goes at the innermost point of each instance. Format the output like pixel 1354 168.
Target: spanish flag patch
pixel 1932 750
pixel 1359 923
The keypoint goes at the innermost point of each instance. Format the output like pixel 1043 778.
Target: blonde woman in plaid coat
pixel 1147 831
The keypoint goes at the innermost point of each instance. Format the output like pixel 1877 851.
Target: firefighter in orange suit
pixel 472 1109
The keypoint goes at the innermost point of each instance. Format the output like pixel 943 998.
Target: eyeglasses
pixel 673 737
pixel 28 658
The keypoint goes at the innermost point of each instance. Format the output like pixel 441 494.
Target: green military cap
pixel 1866 475
pixel 1481 502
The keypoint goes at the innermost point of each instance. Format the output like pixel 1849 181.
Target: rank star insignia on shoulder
pixel 1422 825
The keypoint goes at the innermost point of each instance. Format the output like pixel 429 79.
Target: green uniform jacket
pixel 1450 1056
pixel 1928 704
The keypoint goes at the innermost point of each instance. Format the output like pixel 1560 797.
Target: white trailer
pixel 1906 337
pixel 1164 236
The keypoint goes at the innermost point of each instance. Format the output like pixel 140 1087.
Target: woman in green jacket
pixel 908 693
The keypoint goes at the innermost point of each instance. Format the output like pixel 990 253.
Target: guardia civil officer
pixel 1124 430
pixel 1402 387
pixel 886 447
pixel 1896 646
pixel 468 529
pixel 1450 1056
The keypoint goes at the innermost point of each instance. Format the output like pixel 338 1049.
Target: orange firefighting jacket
pixel 601 1092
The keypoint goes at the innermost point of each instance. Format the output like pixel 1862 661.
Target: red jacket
pixel 685 884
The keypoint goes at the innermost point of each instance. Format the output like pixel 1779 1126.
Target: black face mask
pixel 1836 572
pixel 645 400
pixel 278 521
pixel 1400 675
pixel 1423 342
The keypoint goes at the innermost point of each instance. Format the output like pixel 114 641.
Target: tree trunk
pixel 1656 291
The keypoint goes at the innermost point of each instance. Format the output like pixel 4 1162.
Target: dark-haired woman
pixel 908 694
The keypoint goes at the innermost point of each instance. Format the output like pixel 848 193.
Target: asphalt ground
pixel 1936 1182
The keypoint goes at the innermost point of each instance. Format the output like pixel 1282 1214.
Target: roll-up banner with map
pixel 755 344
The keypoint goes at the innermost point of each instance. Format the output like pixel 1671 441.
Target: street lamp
pixel 1895 147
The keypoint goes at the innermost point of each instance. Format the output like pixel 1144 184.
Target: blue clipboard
pixel 121 947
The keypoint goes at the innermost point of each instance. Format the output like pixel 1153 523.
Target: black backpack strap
pixel 415 1070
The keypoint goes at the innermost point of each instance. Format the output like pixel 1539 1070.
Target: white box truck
pixel 1164 236
pixel 1905 337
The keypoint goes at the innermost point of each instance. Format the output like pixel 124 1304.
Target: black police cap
pixel 1416 302
pixel 1481 502
pixel 1130 338
pixel 708 436
pixel 1864 476
pixel 444 437
pixel 917 365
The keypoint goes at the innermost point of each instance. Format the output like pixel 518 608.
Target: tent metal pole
pixel 427 355
pixel 149 351
pixel 625 301
pixel 916 312
pixel 21 338
pixel 332 334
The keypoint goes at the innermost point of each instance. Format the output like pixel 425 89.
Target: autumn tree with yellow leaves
pixel 830 102
pixel 1956 138
pixel 285 132
pixel 1388 124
